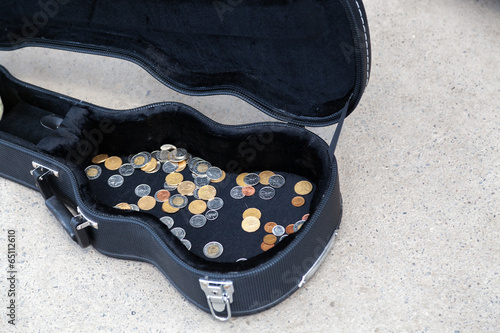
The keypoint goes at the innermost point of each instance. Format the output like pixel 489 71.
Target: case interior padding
pixel 297 59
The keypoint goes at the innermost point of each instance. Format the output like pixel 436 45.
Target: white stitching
pixel 366 44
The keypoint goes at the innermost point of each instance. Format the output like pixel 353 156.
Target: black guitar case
pixel 304 62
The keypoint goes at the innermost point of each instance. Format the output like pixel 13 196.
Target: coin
pixel 215 204
pixel 264 177
pixel 168 209
pixel 305 217
pixel 201 181
pixel 181 166
pixel 146 203
pixel 174 178
pixel 289 229
pixel 115 181
pixel 155 154
pixel 113 163
pixel 142 190
pixel 303 187
pixel 221 178
pixel 298 225
pixel 123 205
pixel 276 181
pixel 252 212
pixel 283 237
pixel 134 207
pixel 298 201
pixel 169 167
pixel 207 192
pixel 251 179
pixel 248 191
pixel 211 215
pixel 178 232
pixel 162 195
pixel 214 173
pixel 268 227
pixel 278 230
pixel 270 239
pixel 266 247
pixel 250 224
pixel 197 221
pixel 126 169
pixel 202 167
pixel 168 147
pixel 197 207
pixel 178 201
pixel 195 193
pixel 239 179
pixel 93 172
pixel 186 243
pixel 177 155
pixel 150 166
pixel 192 163
pixel 169 187
pixel 168 221
pixel 213 250
pixel 267 193
pixel 141 159
pixel 156 169
pixel 241 259
pixel 237 192
pixel 100 158
pixel 186 187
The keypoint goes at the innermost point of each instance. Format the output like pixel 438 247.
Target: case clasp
pixel 219 296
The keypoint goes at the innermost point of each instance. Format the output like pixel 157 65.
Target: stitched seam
pixel 366 44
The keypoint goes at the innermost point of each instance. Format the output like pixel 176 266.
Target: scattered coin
pixel 150 166
pixel 202 167
pixel 283 237
pixel 178 201
pixel 215 204
pixel 142 190
pixel 195 193
pixel 251 179
pixel 169 167
pixel 270 239
pixel 134 207
pixel 197 221
pixel 186 188
pixel 192 162
pixel 168 221
pixel 162 195
pixel 248 191
pixel 266 247
pixel 181 166
pixel 197 207
pixel 126 169
pixel 141 159
pixel 174 178
pixel 146 203
pixel 305 217
pixel 100 158
pixel 168 147
pixel 201 181
pixel 169 187
pixel 264 177
pixel 113 163
pixel 93 172
pixel 237 192
pixel 221 178
pixel 115 181
pixel 298 225
pixel 168 209
pixel 241 259
pixel 298 201
pixel 213 250
pixel 123 206
pixel 214 173
pixel 240 179
pixel 252 212
pixel 276 181
pixel 268 227
pixel 267 193
pixel 156 169
pixel 211 215
pixel 289 229
pixel 303 187
pixel 186 243
pixel 207 192
pixel 250 224
pixel 177 155
pixel 278 230
pixel 178 232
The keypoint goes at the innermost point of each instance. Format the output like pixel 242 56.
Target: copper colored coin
pixel 100 158
pixel 268 227
pixel 266 247
pixel 305 217
pixel 289 229
pixel 298 201
pixel 168 209
pixel 252 212
pixel 270 239
pixel 239 179
pixel 248 191
pixel 146 203
pixel 124 206
pixel 113 163
pixel 264 177
pixel 162 195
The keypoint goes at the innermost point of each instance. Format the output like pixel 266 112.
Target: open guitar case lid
pixel 304 62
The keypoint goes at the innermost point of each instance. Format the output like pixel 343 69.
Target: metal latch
pixel 85 221
pixel 46 170
pixel 219 296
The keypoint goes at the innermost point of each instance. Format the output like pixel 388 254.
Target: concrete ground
pixel 419 245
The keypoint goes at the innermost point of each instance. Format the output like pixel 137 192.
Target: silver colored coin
pixel 97 168
pixel 195 193
pixel 177 155
pixel 237 192
pixel 178 232
pixel 186 243
pixel 168 147
pixel 215 204
pixel 134 207
pixel 142 190
pixel 155 154
pixel 169 187
pixel 126 169
pixel 169 167
pixel 155 170
pixel 211 215
pixel 129 159
pixel 201 181
pixel 297 225
pixel 251 179
pixel 192 163
pixel 175 199
pixel 282 237
pixel 267 193
pixel 197 221
pixel 214 173
pixel 162 156
pixel 278 230
pixel 201 168
pixel 213 250
pixel 276 181
pixel 168 221
pixel 241 259
pixel 115 181
pixel 147 159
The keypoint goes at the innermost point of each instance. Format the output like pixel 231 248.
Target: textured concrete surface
pixel 419 247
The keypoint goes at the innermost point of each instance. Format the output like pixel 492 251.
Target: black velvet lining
pixel 296 58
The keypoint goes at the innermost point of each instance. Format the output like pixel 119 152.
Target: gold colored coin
pixel 168 209
pixel 174 179
pixel 186 188
pixel 181 166
pixel 268 227
pixel 100 158
pixel 113 163
pixel 298 201
pixel 252 212
pixel 270 239
pixel 139 160
pixel 92 172
pixel 197 207
pixel 264 177
pixel 303 187
pixel 207 192
pixel 250 224
pixel 124 206
pixel 266 247
pixel 239 179
pixel 146 203
pixel 150 166
pixel 221 178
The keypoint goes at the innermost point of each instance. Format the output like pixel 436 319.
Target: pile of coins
pixel 205 205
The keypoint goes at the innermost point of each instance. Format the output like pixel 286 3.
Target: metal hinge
pixel 46 170
pixel 219 296
pixel 85 221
